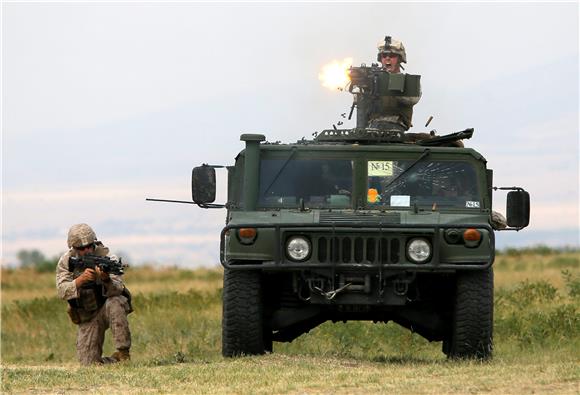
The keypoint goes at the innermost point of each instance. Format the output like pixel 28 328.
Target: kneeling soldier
pixel 97 300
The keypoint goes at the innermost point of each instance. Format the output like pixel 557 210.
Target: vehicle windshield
pixel 321 183
pixel 436 184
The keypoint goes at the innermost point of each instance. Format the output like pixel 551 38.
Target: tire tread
pixel 242 325
pixel 473 316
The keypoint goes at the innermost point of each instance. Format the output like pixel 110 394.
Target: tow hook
pixel 400 288
pixel 331 294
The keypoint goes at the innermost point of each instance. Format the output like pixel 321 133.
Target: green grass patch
pixel 177 343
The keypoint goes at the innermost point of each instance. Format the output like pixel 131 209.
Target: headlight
pixel 419 250
pixel 298 248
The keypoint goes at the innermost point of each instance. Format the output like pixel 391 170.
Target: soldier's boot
pixel 118 356
pixel 122 355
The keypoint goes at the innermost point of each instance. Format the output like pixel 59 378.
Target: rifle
pixel 77 265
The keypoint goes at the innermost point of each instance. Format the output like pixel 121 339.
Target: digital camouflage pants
pixel 91 334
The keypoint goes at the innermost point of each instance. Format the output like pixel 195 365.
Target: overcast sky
pixel 105 104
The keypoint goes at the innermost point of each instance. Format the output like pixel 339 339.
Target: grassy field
pixel 177 338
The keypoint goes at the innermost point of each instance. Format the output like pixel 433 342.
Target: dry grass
pixel 281 374
pixel 510 270
pixel 27 284
pixel 176 347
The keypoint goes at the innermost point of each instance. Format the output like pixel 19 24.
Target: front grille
pixel 357 249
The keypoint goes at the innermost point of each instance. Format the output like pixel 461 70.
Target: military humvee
pixel 359 224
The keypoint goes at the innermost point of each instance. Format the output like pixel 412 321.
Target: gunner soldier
pixel 393 112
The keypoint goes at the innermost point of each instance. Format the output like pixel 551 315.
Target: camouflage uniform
pixel 93 323
pixel 393 112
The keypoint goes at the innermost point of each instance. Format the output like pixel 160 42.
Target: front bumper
pixel 356 246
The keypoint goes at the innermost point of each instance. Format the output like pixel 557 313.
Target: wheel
pixel 242 320
pixel 472 329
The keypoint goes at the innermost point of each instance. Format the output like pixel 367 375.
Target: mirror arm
pixel 508 188
pixel 202 205
pixel 211 205
pixel 516 229
pixel 169 201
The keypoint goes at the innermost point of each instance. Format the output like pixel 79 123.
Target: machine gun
pixel 369 84
pixel 77 265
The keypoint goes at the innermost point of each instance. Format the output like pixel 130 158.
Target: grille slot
pixel 357 249
pixel 322 249
pixel 332 217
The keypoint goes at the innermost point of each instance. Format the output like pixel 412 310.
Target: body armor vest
pixel 91 297
pixel 392 106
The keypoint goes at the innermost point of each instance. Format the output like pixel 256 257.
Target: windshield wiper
pixel 280 170
pixel 419 159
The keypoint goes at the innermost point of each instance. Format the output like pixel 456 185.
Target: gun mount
pixel 378 136
pixel 380 93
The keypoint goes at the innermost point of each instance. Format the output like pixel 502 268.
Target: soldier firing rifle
pixel 90 281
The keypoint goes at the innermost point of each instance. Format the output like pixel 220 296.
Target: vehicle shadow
pixel 406 360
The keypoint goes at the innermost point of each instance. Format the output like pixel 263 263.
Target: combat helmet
pixel 81 235
pixel 389 45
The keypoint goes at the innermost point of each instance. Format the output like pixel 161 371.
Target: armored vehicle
pixel 359 224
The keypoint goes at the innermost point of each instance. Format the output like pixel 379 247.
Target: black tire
pixel 472 332
pixel 242 320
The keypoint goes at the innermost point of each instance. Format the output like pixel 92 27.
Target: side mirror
pixel 518 209
pixel 203 184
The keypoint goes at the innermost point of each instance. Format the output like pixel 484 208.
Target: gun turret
pixel 380 93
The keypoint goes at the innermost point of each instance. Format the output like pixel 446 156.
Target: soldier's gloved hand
pixel 87 276
pixel 104 276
